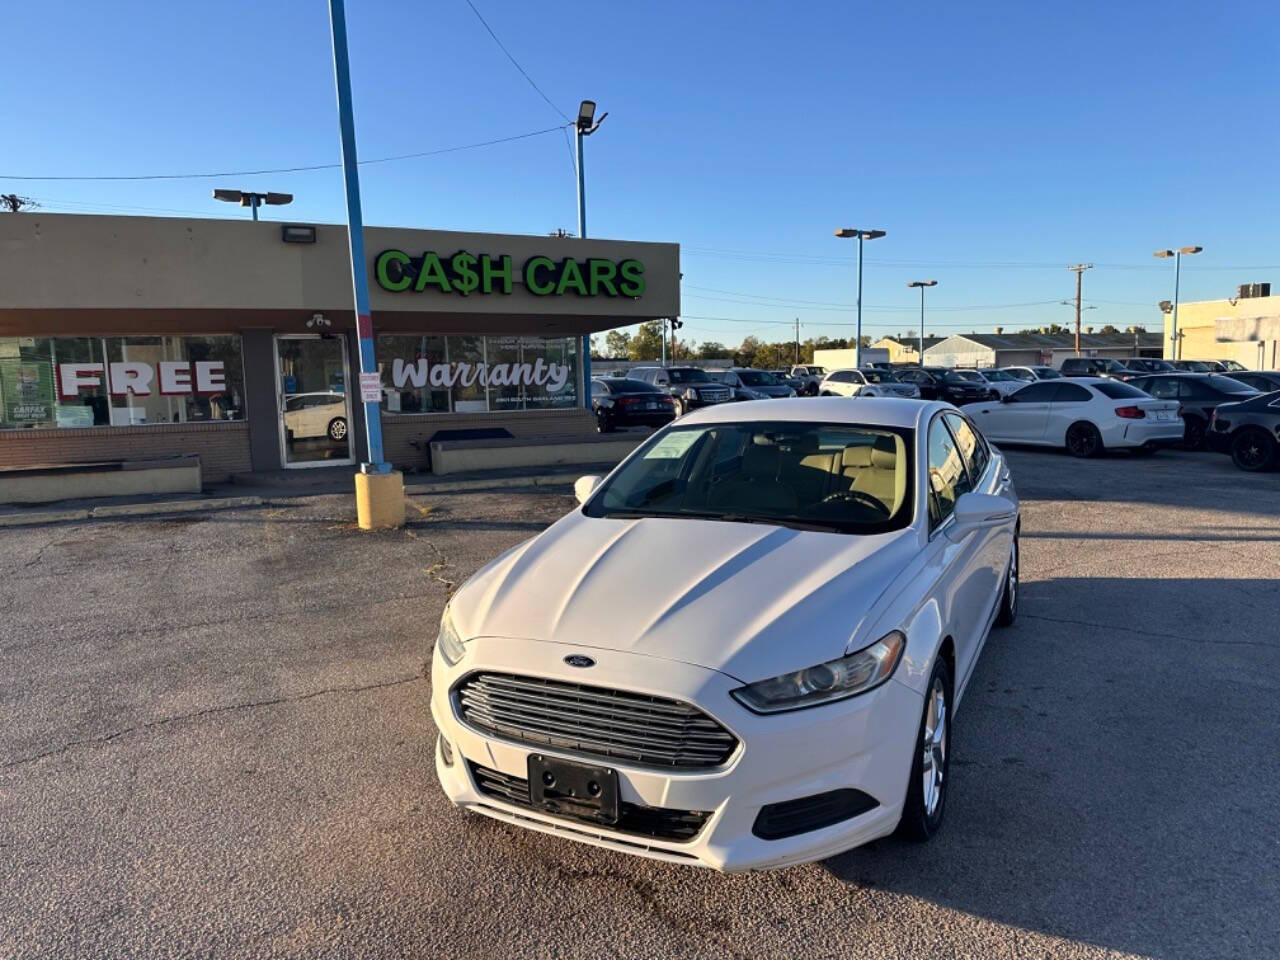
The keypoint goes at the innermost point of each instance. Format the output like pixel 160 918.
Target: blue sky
pixel 996 143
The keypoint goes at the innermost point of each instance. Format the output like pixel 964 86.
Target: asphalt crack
pixel 208 711
pixel 1158 635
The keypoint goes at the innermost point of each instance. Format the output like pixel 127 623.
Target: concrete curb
pixel 129 510
pixel 496 483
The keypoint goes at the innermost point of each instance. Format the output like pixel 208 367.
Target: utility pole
pixel 1079 270
pixel 797 340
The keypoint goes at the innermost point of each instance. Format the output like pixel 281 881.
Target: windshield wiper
pixel 775 522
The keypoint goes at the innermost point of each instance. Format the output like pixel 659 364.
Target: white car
pixel 745 649
pixel 308 415
pixel 866 383
pixel 1032 374
pixel 1001 382
pixel 1086 415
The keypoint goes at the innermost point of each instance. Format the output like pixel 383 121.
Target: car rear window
pixel 630 386
pixel 1117 390
pixel 1228 385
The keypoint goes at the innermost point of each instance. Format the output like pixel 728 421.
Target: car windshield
pixel 879 376
pixel 1194 366
pixel 815 371
pixel 1048 373
pixel 688 375
pixel 834 477
pixel 969 376
pixel 997 375
pixel 1234 365
pixel 757 378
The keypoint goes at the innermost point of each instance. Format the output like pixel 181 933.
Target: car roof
pixel 868 411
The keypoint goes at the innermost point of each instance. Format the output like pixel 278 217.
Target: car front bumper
pixel 864 743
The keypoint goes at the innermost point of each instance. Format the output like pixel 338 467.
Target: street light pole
pixel 584 126
pixel 1177 276
pixel 922 284
pixel 845 233
pixel 247 198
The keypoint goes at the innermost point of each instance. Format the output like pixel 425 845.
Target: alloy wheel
pixel 1082 440
pixel 338 430
pixel 933 748
pixel 1250 451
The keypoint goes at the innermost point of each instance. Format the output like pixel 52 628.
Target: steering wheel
pixel 856 496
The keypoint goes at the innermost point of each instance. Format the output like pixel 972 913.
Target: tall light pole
pixel 584 126
pixel 846 233
pixel 252 200
pixel 922 284
pixel 1079 270
pixel 1177 272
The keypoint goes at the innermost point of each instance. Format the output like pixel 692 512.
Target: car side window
pixel 948 476
pixel 1163 388
pixel 1071 393
pixel 1041 391
pixel 972 448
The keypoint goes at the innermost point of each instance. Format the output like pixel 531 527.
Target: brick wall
pixel 405 436
pixel 223 447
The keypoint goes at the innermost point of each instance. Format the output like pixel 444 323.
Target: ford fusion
pixel 745 648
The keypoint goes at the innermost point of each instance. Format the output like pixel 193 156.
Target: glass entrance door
pixel 315 408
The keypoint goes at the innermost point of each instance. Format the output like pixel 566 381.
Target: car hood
pixel 750 600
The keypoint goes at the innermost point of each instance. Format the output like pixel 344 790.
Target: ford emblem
pixel 578 660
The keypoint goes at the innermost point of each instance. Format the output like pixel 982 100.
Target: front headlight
pixel 448 642
pixel 834 680
pixel 690 393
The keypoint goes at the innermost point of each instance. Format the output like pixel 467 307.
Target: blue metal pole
pixel 355 234
pixel 857 355
pixel 582 232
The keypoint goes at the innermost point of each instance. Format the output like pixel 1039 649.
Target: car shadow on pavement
pixel 1106 765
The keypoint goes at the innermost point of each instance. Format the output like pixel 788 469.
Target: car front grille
pixel 593 721
pixel 713 394
pixel 660 823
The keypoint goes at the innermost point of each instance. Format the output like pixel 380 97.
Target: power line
pixel 301 169
pixel 514 62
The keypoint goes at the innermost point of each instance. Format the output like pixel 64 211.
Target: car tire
pixel 927 788
pixel 1008 611
pixel 1253 450
pixel 1193 433
pixel 337 429
pixel 1083 440
pixel 827 393
pixel 811 390
pixel 681 407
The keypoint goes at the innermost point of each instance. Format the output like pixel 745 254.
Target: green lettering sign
pixel 570 279
pixel 632 284
pixel 488 273
pixel 466 273
pixel 431 273
pixel 384 271
pixel 534 271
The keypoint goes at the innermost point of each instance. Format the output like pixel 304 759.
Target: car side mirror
pixel 980 511
pixel 583 487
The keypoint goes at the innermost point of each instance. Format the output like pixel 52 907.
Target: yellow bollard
pixel 380 500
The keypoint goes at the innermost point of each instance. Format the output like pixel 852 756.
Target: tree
pixel 646 342
pixel 1109 329
pixel 12 203
pixel 616 343
pixel 713 350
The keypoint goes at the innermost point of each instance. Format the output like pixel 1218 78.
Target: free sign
pixel 172 377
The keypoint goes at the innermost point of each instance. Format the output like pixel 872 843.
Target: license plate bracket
pixel 581 790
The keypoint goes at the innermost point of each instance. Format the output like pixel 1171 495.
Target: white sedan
pixel 745 649
pixel 866 383
pixel 1001 382
pixel 1086 415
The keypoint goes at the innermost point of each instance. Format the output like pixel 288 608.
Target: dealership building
pixel 128 338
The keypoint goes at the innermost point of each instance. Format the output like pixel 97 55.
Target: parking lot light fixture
pixel 1175 340
pixel 859 234
pixel 252 200
pixel 922 284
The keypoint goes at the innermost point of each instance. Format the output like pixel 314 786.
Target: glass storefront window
pixel 119 381
pixel 473 374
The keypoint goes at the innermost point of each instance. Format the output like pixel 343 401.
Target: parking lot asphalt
pixel 215 741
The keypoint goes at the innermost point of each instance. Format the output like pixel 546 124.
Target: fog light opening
pixel 446 751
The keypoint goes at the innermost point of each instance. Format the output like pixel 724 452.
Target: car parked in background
pixel 746 647
pixel 1148 365
pixel 866 383
pixel 1199 366
pixel 624 402
pixel 784 376
pixel 1092 367
pixel 1198 394
pixel 1002 383
pixel 690 387
pixel 1030 374
pixel 1249 430
pixel 310 415
pixel 810 376
pixel 1232 366
pixel 954 386
pixel 753 384
pixel 1083 415
pixel 1264 380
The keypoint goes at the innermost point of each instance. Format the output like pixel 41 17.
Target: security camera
pixel 318 320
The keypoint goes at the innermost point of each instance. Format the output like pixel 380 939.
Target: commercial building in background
pixel 1029 349
pixel 904 349
pixel 130 337
pixel 1244 328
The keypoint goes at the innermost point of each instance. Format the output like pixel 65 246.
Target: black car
pixel 1093 367
pixel 954 386
pixel 1141 365
pixel 1199 394
pixel 1264 380
pixel 621 402
pixel 1249 430
pixel 690 387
